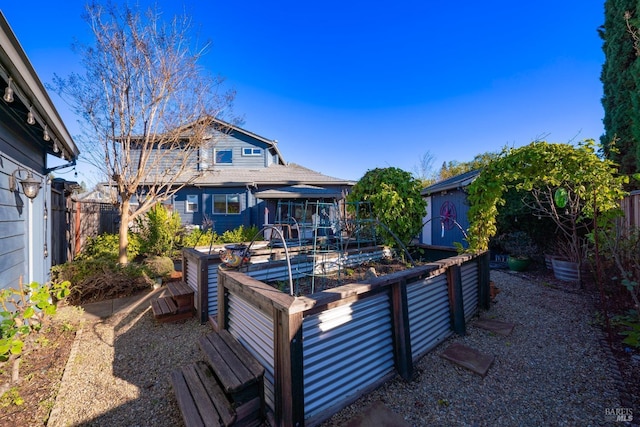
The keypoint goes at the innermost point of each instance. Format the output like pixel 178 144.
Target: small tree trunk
pixel 124 233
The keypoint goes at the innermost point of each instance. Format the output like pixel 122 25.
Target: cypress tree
pixel 621 85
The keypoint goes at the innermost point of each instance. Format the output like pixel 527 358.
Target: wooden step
pixel 239 373
pixel 166 310
pixel 182 295
pixel 200 398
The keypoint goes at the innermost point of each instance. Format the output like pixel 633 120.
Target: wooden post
pixel 484 292
pixel 401 332
pixel 203 292
pixel 222 302
pixel 288 376
pixel 454 283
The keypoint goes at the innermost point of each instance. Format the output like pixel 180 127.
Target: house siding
pixel 22 224
pixel 221 222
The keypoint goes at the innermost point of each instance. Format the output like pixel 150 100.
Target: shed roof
pixel 453 183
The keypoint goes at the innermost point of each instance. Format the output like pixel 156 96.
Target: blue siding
pixel 221 222
pixel 22 224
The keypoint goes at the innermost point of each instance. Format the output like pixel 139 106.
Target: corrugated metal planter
pixel 568 271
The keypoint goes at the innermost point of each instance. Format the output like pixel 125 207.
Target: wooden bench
pixel 200 398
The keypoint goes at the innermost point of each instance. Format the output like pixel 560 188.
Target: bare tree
pixel 423 171
pixel 146 105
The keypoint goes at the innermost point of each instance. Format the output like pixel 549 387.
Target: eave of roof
pixel 299 192
pixel 29 89
pixel 458 181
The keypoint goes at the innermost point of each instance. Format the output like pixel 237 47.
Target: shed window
pixel 192 203
pixel 224 156
pixel 251 151
pixel 226 204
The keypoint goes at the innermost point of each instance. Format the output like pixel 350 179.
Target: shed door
pixel 449 213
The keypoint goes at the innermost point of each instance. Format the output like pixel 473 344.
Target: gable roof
pixel 453 183
pixel 271 143
pixel 289 174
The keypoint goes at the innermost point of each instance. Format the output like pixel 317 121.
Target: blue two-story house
pixel 240 178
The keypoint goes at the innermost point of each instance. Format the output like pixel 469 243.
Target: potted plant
pixel 520 247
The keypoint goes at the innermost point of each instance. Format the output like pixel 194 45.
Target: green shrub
pixel 106 246
pixel 240 234
pixel 159 266
pixel 24 311
pixel 198 237
pixel 159 231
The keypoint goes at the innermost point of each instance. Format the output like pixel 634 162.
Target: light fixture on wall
pixel 45 134
pixel 8 92
pixel 30 185
pixel 55 145
pixel 30 118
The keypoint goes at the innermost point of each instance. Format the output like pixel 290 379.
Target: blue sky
pixel 346 88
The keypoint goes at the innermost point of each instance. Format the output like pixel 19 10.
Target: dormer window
pixel 252 151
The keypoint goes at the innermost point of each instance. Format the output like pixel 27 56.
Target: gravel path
pixel 118 371
pixel 551 370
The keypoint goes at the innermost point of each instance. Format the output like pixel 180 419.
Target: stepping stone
pixel 469 358
pixel 497 326
pixel 378 415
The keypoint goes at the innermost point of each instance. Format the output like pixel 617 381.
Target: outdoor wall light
pixel 30 185
pixel 8 92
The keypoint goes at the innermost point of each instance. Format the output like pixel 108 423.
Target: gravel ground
pixel 118 371
pixel 551 370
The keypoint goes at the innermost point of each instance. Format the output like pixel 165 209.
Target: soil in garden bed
pixel 29 401
pixel 306 285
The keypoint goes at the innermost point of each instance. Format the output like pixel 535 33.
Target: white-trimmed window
pixel 252 151
pixel 191 204
pixel 223 155
pixel 224 204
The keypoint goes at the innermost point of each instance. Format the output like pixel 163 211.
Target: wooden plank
pixel 249 411
pixel 243 376
pixel 163 307
pixel 219 365
pixel 201 399
pixel 217 396
pixel 177 289
pixel 186 404
pixel 250 362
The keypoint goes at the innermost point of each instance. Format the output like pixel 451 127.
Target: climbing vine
pixel 593 182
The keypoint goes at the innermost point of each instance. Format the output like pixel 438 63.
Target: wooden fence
pixel 631 207
pixel 323 351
